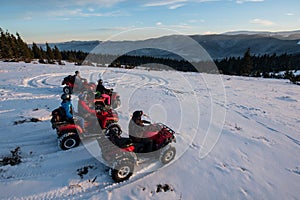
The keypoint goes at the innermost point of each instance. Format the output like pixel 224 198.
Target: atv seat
pixel 57 124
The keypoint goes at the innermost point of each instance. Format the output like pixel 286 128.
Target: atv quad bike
pixel 70 133
pixel 74 87
pixel 122 154
pixel 114 98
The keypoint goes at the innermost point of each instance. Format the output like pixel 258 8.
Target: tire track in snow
pixel 142 79
pixel 88 190
pixel 95 76
pixel 250 117
pixel 44 81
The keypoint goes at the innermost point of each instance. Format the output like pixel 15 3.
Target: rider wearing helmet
pixel 79 80
pixel 103 91
pixel 67 105
pixel 137 130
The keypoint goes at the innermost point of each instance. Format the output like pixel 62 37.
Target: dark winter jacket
pixel 100 88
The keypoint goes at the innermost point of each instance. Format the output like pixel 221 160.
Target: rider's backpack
pixel 58 115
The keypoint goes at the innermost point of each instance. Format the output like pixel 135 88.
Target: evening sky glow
pixel 65 20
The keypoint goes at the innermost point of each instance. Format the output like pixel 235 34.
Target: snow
pixel 238 137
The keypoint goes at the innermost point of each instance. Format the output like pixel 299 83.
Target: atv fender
pixel 71 128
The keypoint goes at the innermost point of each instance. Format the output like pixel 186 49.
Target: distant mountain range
pixel 218 46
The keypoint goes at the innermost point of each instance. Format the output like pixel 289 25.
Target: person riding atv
pixel 85 108
pixel 69 110
pixel 76 84
pixel 104 92
pixel 106 97
pixel 138 128
pixel 146 143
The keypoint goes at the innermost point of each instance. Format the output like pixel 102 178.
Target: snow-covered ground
pixel 238 137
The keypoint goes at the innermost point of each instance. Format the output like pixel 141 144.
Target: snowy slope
pixel 238 137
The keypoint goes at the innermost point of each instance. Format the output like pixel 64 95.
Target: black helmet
pixel 65 97
pixel 76 72
pixel 100 81
pixel 137 114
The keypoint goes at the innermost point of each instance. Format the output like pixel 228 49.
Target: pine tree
pixel 13 44
pixel 246 64
pixel 42 56
pixel 6 49
pixel 24 53
pixel 49 53
pixel 57 54
pixel 1 44
pixel 36 51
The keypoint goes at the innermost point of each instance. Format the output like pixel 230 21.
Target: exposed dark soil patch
pixel 164 188
pixel 27 121
pixel 84 170
pixel 13 159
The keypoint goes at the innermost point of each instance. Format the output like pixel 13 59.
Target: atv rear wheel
pixel 122 170
pixel 68 141
pixel 67 90
pixel 167 155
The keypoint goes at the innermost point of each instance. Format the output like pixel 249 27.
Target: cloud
pixel 289 14
pixel 173 4
pixel 262 22
pixel 203 1
pixel 196 20
pixel 114 28
pixel 172 7
pixel 209 33
pixel 181 26
pixel 104 3
pixel 27 18
pixel 80 13
pixel 164 3
pixel 245 1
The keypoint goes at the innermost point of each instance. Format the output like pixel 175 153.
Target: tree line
pixel 258 65
pixel 13 48
pixel 266 66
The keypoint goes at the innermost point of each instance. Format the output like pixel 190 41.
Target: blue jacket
pixel 67 105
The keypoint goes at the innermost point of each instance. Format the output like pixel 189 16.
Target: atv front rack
pixel 163 126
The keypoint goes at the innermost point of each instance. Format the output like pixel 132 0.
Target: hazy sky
pixel 65 20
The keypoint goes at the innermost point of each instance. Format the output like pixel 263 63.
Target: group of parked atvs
pixel 120 153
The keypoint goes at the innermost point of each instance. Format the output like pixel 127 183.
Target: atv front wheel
pixel 122 170
pixel 114 129
pixel 67 90
pixel 116 103
pixel 168 155
pixel 68 141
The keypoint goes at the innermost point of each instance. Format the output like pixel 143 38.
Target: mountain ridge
pixel 218 46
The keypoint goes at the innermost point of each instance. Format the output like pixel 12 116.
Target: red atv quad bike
pixel 122 155
pixel 72 87
pixel 69 134
pixel 114 99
